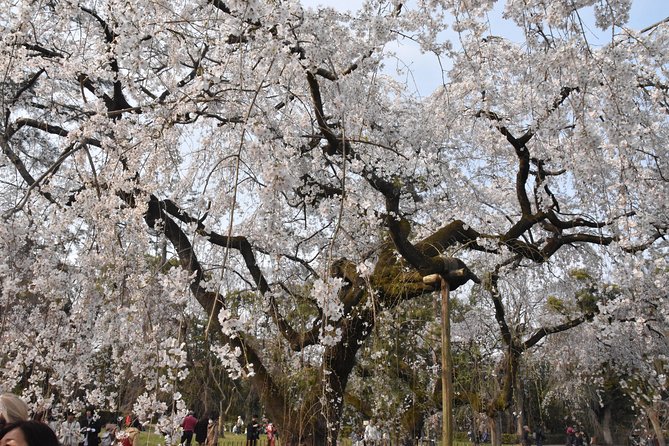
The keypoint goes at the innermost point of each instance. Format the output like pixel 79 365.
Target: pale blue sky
pixel 425 74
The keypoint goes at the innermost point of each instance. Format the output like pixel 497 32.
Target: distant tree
pixel 615 369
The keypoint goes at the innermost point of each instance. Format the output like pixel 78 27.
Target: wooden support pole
pixel 446 359
pixel 446 367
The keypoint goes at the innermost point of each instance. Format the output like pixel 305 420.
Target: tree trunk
pixel 606 426
pixel 654 417
pixel 495 429
pixel 221 420
pixel 521 416
pixel 319 418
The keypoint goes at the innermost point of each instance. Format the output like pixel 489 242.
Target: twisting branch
pixel 492 284
pixel 523 155
pixel 44 52
pixel 513 350
pixel 118 102
pixel 315 91
pixel 296 340
pixel 398 227
pixel 541 333
pixel 157 218
pixel 26 85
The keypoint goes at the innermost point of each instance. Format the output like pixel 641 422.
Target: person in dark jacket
pixel 90 427
pixel 527 436
pixel 539 436
pixel 253 432
pixel 200 431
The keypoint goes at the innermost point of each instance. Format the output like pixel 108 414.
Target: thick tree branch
pixel 315 91
pixel 456 232
pixel 118 102
pixel 541 333
pixel 44 52
pixel 157 218
pixel 296 340
pixel 26 85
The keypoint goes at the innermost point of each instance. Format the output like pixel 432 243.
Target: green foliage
pixel 556 304
pixel 510 439
pixel 589 294
pixel 580 274
pixel 147 438
pixel 587 301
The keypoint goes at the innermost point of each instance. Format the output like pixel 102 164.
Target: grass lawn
pixel 149 438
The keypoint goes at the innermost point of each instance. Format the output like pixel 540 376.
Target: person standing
pixel 239 425
pixel 539 436
pixel 527 438
pixel 271 434
pixel 188 425
pixel 253 431
pixel 200 431
pixel 70 431
pixel 372 435
pixel 212 430
pixel 571 431
pixel 91 427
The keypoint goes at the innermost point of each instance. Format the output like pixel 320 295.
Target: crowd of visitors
pixel 204 430
pixel 17 428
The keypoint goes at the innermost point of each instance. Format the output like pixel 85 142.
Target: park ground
pixel 149 438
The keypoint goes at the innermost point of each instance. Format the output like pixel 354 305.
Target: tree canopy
pixel 249 163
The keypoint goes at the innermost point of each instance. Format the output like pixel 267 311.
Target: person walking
pixel 188 426
pixel 70 431
pixel 271 434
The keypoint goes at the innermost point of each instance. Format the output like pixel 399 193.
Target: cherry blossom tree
pixel 626 344
pixel 249 162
